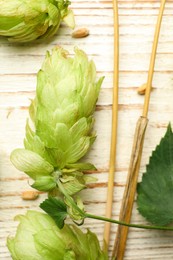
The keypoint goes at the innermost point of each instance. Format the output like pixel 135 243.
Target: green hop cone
pixel 25 21
pixel 62 116
pixel 39 238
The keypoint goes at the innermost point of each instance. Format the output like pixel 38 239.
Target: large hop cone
pixel 62 115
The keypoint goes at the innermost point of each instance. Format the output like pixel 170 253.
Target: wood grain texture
pixel 18 67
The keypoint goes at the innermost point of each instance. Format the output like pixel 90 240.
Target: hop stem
pixel 87 215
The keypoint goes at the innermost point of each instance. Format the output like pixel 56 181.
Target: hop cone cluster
pixel 39 238
pixel 25 21
pixel 62 115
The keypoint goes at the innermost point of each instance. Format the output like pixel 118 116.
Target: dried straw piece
pixel 130 189
pixel 108 213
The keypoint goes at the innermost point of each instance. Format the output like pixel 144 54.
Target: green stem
pixel 87 215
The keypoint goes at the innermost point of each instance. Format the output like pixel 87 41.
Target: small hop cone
pixel 39 238
pixel 25 21
pixel 62 115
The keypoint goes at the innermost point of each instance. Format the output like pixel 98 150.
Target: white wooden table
pixel 18 67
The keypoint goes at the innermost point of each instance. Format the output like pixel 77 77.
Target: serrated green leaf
pixel 155 192
pixel 55 208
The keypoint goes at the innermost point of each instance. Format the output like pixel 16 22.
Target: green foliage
pixel 55 208
pixel 155 192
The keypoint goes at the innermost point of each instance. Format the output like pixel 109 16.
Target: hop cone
pixel 62 115
pixel 39 238
pixel 24 21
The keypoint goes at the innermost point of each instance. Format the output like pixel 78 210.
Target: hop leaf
pixel 56 208
pixel 155 192
pixel 24 21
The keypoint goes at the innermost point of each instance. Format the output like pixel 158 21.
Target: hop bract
pixel 25 21
pixel 62 115
pixel 39 238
